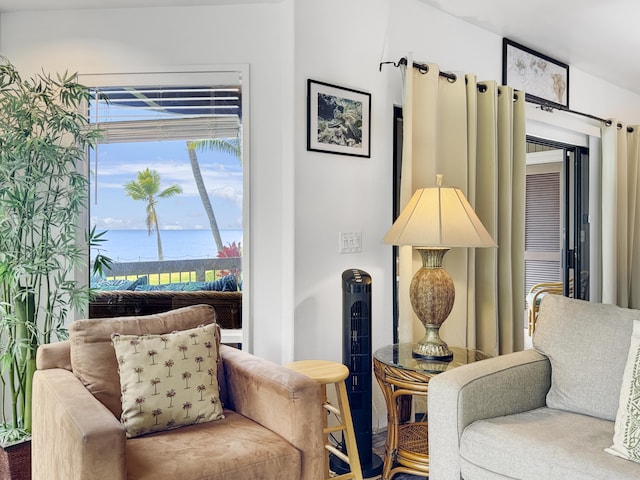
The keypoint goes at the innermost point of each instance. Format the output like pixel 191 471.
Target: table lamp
pixel 435 220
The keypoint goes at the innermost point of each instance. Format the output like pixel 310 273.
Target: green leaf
pixel 43 136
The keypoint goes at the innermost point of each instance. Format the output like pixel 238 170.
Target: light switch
pixel 350 242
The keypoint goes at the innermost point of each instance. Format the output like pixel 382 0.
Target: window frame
pixel 173 77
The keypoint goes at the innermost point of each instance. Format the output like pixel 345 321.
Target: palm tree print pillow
pixel 167 380
pixel 626 435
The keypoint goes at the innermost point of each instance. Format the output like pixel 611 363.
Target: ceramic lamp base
pixel 432 294
pixel 431 346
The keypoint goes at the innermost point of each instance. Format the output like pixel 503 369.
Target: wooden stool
pixel 325 372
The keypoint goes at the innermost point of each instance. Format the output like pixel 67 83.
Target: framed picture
pixel 543 79
pixel 338 120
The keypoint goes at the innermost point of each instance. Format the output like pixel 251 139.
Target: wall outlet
pixel 350 242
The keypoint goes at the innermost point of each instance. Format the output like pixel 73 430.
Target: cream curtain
pixel 474 134
pixel 620 215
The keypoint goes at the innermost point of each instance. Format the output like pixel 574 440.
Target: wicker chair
pixel 536 292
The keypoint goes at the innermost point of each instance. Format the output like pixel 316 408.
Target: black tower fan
pixel 357 355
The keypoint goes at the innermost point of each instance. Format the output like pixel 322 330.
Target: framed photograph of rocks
pixel 338 120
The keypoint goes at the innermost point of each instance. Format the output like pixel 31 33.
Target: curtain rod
pixel 423 67
pixel 548 107
pixel 545 106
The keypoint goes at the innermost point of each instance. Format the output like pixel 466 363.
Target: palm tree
pixel 224 145
pixel 186 406
pixel 152 354
pixel 147 188
pixel 156 413
pixel 138 370
pixel 139 401
pixel 186 376
pixel 201 389
pixel 169 363
pixel 135 342
pixel 170 394
pixel 199 361
pixel 154 384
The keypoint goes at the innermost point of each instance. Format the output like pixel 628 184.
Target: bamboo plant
pixel 43 140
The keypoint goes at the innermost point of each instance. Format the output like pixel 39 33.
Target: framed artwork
pixel 543 79
pixel 338 120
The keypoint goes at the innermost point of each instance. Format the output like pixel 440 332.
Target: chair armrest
pixel 74 437
pixel 498 386
pixel 54 355
pixel 284 401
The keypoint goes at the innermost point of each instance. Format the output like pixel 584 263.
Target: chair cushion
pixel 168 380
pixel 542 444
pixel 93 359
pixel 626 438
pixel 587 345
pixel 237 448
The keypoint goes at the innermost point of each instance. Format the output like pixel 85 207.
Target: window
pixel 167 179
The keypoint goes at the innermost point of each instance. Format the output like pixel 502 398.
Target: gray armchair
pixel 544 413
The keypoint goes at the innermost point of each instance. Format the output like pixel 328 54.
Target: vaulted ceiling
pixel 598 37
pixel 17 5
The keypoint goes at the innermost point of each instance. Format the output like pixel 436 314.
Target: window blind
pixel 153 113
pixel 542 217
pixel 543 230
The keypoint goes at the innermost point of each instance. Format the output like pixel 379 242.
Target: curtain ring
pixel 422 68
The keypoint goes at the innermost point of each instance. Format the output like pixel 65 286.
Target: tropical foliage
pixel 146 188
pixel 231 250
pixel 43 140
pixel 223 145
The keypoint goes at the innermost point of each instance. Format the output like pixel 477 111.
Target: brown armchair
pixel 272 426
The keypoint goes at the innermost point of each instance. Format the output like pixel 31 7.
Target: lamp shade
pixel 439 217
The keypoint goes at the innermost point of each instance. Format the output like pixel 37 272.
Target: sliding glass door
pixel 557 216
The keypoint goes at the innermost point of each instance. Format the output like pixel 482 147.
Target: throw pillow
pixel 92 357
pixel 168 380
pixel 120 284
pixel 626 436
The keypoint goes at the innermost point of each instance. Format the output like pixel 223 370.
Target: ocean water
pixel 137 245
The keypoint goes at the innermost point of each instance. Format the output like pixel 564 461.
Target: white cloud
pixel 215 180
pixel 110 223
pixel 227 192
pixel 175 226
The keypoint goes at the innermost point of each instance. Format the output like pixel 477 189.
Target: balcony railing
pixel 192 270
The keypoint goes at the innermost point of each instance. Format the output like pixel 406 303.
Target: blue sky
pixel 119 163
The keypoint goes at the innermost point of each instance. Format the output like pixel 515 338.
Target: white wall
pixel 300 200
pixel 342 43
pixel 336 193
pixel 138 40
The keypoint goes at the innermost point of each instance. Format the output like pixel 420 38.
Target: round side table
pixel 401 376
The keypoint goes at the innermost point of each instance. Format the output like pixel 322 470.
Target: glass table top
pixel 400 355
